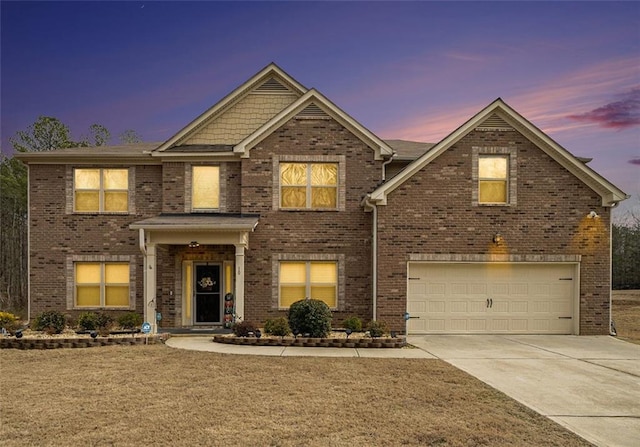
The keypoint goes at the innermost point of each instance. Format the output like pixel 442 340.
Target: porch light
pixel 497 238
pixel 348 332
pixel 194 244
pixel 593 215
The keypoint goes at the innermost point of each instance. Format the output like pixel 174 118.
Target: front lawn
pixel 156 395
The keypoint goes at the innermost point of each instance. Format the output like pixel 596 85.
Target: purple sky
pixel 410 70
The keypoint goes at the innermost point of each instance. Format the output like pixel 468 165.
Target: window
pixel 315 280
pixel 205 193
pixel 493 179
pixel 101 190
pixel 101 284
pixel 308 185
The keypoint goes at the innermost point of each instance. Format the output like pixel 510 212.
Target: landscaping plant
pixel 243 328
pixel 377 328
pixel 50 321
pixel 311 317
pixel 130 320
pixel 353 323
pixel 278 326
pixel 9 322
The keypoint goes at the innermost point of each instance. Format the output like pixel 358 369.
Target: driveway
pixel 588 384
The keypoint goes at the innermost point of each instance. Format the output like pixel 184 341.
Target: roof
pixel 125 152
pixel 499 113
pixel 208 221
pixel 263 75
pixel 320 104
pixel 408 150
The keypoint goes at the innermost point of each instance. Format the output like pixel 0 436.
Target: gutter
pixel 370 206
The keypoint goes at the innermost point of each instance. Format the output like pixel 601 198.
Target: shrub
pixel 51 321
pixel 9 322
pixel 130 320
pixel 279 327
pixel 353 323
pixel 242 328
pixel 311 317
pixel 377 328
pixel 91 321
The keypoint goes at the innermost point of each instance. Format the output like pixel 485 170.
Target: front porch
pixel 194 269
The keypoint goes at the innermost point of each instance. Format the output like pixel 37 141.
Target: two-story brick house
pixel 276 194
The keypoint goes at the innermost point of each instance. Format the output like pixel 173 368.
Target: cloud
pixel 634 161
pixel 620 114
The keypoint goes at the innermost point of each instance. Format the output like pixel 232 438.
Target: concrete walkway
pixel 590 385
pixel 205 344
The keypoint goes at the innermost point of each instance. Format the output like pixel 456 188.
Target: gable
pixel 241 112
pixel 498 116
pixel 313 105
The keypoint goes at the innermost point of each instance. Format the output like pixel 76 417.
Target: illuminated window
pixel 101 190
pixel 101 284
pixel 205 193
pixel 315 280
pixel 308 185
pixel 493 179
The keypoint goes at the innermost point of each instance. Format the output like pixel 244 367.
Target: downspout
pixel 612 326
pixel 374 253
pixel 29 243
pixel 384 166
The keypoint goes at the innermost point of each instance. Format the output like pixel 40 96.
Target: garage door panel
pixel 499 298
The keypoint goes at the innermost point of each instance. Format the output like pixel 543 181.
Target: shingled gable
pixel 314 103
pixel 270 79
pixel 497 114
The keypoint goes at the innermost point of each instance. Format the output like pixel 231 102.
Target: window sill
pixel 100 213
pixel 322 210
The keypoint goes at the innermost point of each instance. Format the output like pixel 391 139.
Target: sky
pixel 405 70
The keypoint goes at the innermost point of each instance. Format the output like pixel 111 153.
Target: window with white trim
pixel 308 185
pixel 493 179
pixel 101 190
pixel 308 279
pixel 205 188
pixel 101 284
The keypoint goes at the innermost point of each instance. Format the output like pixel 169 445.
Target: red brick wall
pixel 55 235
pixel 437 217
pixel 345 232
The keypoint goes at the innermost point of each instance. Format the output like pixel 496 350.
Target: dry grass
pixel 155 395
pixel 626 314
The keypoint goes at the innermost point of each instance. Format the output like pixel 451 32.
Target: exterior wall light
pixel 497 238
pixel 194 244
pixel 593 215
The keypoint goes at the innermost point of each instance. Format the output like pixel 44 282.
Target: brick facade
pixel 439 217
pixel 432 214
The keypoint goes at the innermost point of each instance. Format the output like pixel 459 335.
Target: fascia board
pixel 610 193
pixel 243 89
pixel 379 146
pixel 379 195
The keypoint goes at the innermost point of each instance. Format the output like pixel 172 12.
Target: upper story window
pixel 101 284
pixel 205 184
pixel 101 190
pixel 315 280
pixel 493 179
pixel 308 185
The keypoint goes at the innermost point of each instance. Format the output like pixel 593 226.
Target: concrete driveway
pixel 590 385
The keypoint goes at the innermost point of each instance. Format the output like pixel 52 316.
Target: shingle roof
pixel 408 150
pixel 208 221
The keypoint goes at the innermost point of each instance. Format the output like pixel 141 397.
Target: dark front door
pixel 208 303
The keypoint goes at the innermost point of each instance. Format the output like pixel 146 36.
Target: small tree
pixel 311 317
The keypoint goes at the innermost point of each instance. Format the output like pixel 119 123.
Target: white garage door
pixel 491 298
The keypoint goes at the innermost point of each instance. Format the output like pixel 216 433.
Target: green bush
pixel 130 320
pixel 9 322
pixel 377 328
pixel 311 317
pixel 51 321
pixel 92 321
pixel 242 328
pixel 278 327
pixel 353 323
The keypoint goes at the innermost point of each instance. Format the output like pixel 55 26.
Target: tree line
pixel 45 134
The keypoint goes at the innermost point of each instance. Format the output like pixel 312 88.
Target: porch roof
pixel 200 222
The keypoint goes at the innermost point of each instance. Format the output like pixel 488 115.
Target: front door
pixel 208 303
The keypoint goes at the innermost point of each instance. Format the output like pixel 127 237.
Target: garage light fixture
pixel 497 238
pixel 194 244
pixel 593 215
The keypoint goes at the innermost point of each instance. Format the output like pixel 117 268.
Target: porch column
pixel 150 287
pixel 240 282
